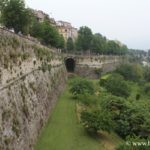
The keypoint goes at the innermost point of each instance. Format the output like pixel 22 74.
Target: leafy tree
pixel 84 39
pixel 147 74
pixel 97 120
pixel 115 47
pixel 112 47
pixel 46 33
pixel 49 35
pixel 61 42
pixel 133 72
pixel 126 71
pixel 98 44
pixel 80 86
pixel 36 28
pixel 15 15
pixel 70 44
pixel 123 50
pixel 116 85
pixel 130 117
pixel 113 104
pixel 134 120
pixel 147 88
pixel 137 68
pixel 2 2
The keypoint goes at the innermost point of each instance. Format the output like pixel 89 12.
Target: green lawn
pixel 63 131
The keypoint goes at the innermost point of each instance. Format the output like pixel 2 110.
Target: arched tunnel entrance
pixel 70 64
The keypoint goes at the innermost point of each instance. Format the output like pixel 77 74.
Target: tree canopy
pixel 15 15
pixel 132 72
pixel 84 39
pixel 96 43
pixel 47 34
pixel 116 85
pixel 70 44
pixel 97 120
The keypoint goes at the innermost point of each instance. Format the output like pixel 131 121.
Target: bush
pixel 116 85
pixel 147 74
pixel 80 86
pixel 133 120
pixel 130 117
pixel 98 71
pixel 147 88
pixel 87 99
pixel 96 120
pixel 113 104
pixel 133 72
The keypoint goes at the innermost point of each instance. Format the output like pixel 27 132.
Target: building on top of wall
pixel 63 27
pixel 66 29
pixel 41 16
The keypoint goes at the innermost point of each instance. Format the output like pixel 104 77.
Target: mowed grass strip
pixel 63 131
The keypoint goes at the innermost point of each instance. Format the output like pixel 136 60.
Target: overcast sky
pixel 125 20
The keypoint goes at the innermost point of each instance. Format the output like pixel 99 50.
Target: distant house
pixel 41 16
pixel 63 27
pixel 66 29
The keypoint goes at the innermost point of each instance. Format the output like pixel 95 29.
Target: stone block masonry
pixel 31 78
pixel 92 66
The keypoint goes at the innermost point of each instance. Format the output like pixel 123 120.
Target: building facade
pixel 41 16
pixel 66 29
pixel 63 27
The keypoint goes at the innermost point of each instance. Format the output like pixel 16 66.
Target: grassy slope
pixel 63 132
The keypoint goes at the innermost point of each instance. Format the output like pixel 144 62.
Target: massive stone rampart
pixel 93 66
pixel 31 78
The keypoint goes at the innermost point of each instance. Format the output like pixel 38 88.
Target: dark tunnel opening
pixel 70 64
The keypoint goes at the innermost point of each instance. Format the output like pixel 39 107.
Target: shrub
pixel 113 103
pixel 130 117
pixel 87 99
pixel 133 120
pixel 147 88
pixel 96 120
pixel 80 86
pixel 147 74
pixel 98 71
pixel 116 85
pixel 133 72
